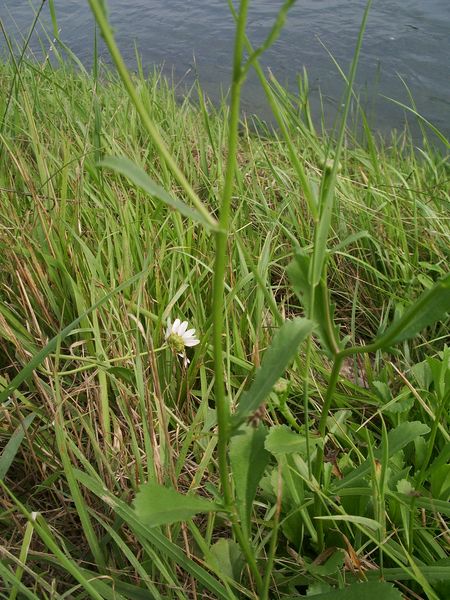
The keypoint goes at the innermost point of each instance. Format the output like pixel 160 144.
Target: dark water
pixel 405 39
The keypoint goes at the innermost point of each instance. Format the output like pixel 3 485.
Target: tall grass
pixel 305 446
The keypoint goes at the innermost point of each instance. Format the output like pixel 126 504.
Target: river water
pixel 406 40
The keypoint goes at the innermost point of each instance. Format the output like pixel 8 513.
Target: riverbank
pixel 112 402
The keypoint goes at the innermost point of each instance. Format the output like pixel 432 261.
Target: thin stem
pixel 274 539
pixel 322 429
pixel 328 400
pixel 221 236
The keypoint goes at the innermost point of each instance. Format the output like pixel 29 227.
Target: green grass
pixel 114 408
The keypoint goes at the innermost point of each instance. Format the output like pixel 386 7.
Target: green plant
pixel 128 417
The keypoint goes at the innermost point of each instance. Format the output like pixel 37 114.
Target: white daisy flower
pixel 179 337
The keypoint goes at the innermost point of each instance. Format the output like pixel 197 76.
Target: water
pixel 407 40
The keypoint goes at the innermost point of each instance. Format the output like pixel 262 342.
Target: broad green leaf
pixel 318 587
pixel 321 311
pixel 13 445
pixel 228 557
pixel 139 177
pixel 371 590
pixel 276 359
pixel 405 487
pixel 423 374
pixel 430 307
pixel 282 440
pixel 440 482
pixel 370 523
pixel 398 438
pixel 154 536
pixel 248 460
pixel 157 505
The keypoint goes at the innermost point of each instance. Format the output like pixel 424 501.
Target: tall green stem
pixel 222 404
pixel 322 430
pixel 221 238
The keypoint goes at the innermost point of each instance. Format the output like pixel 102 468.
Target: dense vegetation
pixel 340 470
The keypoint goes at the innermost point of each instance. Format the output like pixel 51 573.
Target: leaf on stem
pixel 430 307
pixel 276 359
pixel 282 440
pixel 139 177
pixel 157 505
pixel 248 459
pixel 321 310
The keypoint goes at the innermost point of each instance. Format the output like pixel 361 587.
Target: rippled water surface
pixel 406 39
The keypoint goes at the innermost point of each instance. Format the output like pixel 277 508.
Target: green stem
pixel 322 429
pixel 273 541
pixel 221 236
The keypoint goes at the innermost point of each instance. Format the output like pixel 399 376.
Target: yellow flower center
pixel 175 342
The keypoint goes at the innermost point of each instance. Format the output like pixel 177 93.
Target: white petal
pixel 191 342
pixel 186 361
pixel 182 328
pixel 189 333
pixel 188 338
pixel 175 325
pixel 169 328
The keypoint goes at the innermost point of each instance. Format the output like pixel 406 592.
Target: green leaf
pixel 139 177
pixel 432 574
pixel 370 523
pixel 398 438
pixel 440 482
pixel 156 538
pixel 248 460
pixel 228 557
pixel 276 359
pixel 405 487
pixel 282 440
pixel 372 590
pixel 321 311
pixel 430 307
pixel 13 445
pixel 157 505
pixel 430 504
